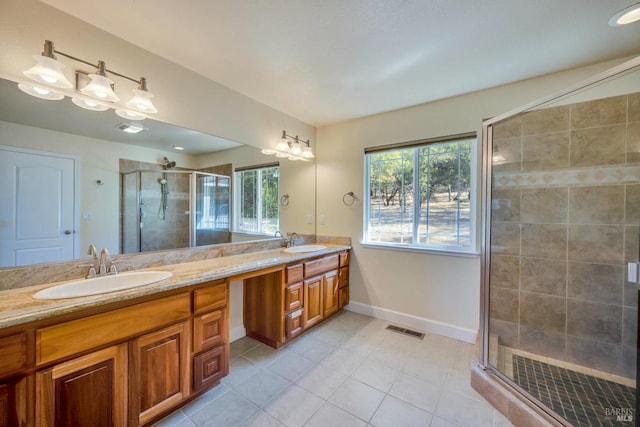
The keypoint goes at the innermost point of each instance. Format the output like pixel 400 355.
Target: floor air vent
pixel 405 331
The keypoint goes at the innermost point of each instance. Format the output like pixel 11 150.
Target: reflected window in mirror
pixel 256 194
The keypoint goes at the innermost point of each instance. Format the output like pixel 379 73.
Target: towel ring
pixel 349 198
pixel 284 200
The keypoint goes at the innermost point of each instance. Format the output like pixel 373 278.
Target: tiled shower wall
pixel 565 220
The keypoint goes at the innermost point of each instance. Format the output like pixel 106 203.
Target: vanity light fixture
pixel 626 16
pixel 291 147
pixel 48 73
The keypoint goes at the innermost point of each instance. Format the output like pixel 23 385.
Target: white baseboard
pixel 420 323
pixel 237 333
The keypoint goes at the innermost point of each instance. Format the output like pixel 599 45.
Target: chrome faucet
pixel 292 240
pixel 92 269
pixel 285 242
pixel 105 258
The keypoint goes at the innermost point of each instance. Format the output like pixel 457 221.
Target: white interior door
pixel 37 194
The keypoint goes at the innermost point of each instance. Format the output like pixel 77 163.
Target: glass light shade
pixel 281 155
pixel 89 105
pixel 100 87
pixel 307 153
pixel 295 149
pixel 48 71
pixel 40 92
pixel 267 151
pixel 282 145
pixel 141 101
pixel 626 16
pixel 130 115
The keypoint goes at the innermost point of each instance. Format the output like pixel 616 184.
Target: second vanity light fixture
pixel 292 148
pixel 97 87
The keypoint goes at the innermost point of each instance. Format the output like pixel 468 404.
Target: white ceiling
pixel 325 61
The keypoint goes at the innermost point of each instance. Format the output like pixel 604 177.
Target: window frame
pixel 237 196
pixel 470 250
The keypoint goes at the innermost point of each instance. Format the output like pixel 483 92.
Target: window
pixel 418 195
pixel 257 199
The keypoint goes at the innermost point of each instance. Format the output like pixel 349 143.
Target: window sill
pixel 432 251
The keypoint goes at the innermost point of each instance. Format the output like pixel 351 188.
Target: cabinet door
pixel 14 403
pixel 87 391
pixel 344 296
pixel 159 372
pixel 294 324
pixel 293 297
pixel 330 296
pixel 209 330
pixel 312 312
pixel 209 368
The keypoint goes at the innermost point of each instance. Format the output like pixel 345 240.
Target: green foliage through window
pixel 420 196
pixel 258 200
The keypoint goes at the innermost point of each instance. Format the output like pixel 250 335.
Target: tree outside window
pixel 257 198
pixel 420 196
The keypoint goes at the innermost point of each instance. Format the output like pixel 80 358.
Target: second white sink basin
pixel 304 248
pixel 102 285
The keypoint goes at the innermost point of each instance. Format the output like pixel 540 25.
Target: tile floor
pixel 348 371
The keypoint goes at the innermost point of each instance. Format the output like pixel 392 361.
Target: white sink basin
pixel 304 248
pixel 102 285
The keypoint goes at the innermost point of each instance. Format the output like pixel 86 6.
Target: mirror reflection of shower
pixel 182 192
pixel 164 190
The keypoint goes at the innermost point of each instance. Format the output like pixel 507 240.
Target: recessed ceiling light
pixel 626 16
pixel 128 128
pixel 177 147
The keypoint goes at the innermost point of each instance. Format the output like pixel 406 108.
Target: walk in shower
pixel 157 209
pixel 561 247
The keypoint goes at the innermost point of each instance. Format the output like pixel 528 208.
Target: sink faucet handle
pixel 91 273
pixel 113 270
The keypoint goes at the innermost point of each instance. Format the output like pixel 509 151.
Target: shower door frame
pixel 485 241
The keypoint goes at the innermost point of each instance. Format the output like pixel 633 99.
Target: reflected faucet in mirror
pixel 292 239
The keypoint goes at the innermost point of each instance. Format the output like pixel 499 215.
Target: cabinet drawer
pixel 208 330
pixel 293 273
pixel 294 324
pixel 214 296
pixel 209 368
pixel 343 276
pixel 77 336
pixel 14 354
pixel 293 297
pixel 344 258
pixel 318 266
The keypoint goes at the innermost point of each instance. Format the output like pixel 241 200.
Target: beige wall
pixel 435 292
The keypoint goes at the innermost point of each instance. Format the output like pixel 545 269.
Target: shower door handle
pixel 632 272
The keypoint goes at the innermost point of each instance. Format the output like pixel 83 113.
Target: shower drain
pixel 405 331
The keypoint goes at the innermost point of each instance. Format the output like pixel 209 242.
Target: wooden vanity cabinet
pixel 16 383
pixel 210 335
pixel 126 366
pixel 281 305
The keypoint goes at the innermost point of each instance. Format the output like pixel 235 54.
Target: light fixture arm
pixel 50 51
pixel 296 138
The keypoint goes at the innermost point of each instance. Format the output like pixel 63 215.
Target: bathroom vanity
pixel 128 358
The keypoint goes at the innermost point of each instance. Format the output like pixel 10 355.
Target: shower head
pixel 168 164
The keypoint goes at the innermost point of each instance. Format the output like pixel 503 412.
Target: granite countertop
pixel 17 306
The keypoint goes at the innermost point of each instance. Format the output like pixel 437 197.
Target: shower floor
pixel 582 398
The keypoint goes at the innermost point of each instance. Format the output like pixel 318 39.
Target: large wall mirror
pixel 95 147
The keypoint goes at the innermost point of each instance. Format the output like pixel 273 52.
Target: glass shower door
pixel 212 208
pixel 563 220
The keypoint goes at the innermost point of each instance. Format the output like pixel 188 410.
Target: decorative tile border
pixel 620 174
